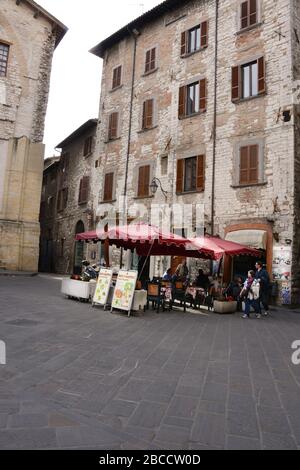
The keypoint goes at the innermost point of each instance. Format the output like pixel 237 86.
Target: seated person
pixel 168 275
pixel 234 288
pixel 202 280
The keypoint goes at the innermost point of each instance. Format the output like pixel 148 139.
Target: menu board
pixel 103 286
pixel 124 290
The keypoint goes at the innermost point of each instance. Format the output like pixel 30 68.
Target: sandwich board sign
pixel 124 290
pixel 102 287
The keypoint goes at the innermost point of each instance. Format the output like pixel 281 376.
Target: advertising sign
pixel 282 264
pixel 103 286
pixel 124 290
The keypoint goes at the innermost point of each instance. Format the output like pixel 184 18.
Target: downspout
pixel 215 121
pixel 135 33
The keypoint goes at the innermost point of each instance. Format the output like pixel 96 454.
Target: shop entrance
pixel 242 264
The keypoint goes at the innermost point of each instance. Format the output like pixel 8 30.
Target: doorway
pixel 78 250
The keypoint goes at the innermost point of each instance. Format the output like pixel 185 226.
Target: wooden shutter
pixel 203 95
pixel 148 61
pixel 113 126
pixel 204 38
pixel 83 189
pixel 261 75
pixel 179 176
pixel 182 102
pixel 184 43
pixel 253 12
pixel 114 84
pixel 253 164
pixel 244 15
pixel 144 181
pixel 148 114
pixel 200 173
pixel 153 59
pixel 108 187
pixel 235 83
pixel 119 75
pixel 244 152
pixel 65 197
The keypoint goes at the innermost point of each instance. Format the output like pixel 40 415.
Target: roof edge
pixel 78 132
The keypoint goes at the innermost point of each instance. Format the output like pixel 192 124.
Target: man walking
pixel 264 280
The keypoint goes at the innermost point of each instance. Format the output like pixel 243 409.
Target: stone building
pixel 67 203
pixel 202 94
pixel 28 38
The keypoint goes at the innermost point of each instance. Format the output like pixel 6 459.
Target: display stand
pixel 102 290
pixel 124 291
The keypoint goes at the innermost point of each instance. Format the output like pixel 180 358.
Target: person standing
pixel 248 294
pixel 182 271
pixel 263 276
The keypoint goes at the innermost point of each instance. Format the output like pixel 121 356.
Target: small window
pixel 150 60
pixel 87 149
pixel 62 199
pixel 192 99
pixel 248 13
pixel 113 126
pixel 117 76
pixel 164 165
pixel 148 109
pixel 143 181
pixel 194 39
pixel 249 165
pixel 83 190
pixel 108 187
pixel 248 80
pixel 4 51
pixel 190 174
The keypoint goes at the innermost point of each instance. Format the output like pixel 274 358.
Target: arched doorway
pixel 78 249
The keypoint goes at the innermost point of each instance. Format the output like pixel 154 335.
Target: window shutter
pixel 253 164
pixel 113 126
pixel 65 197
pixel 114 78
pixel 153 59
pixel 144 181
pixel 200 172
pixel 148 61
pixel 141 181
pixel 84 189
pixel 204 28
pixel 184 41
pixel 108 187
pixel 179 176
pixel 119 75
pixel 182 102
pixel 261 75
pixel 203 95
pixel 244 15
pixel 148 114
pixel 235 83
pixel 244 152
pixel 253 12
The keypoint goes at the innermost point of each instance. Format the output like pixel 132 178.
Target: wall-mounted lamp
pixel 154 187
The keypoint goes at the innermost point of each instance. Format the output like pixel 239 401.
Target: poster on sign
pixel 103 286
pixel 124 290
pixel 282 263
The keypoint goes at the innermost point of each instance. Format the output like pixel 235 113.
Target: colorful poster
pixel 103 286
pixel 282 264
pixel 124 290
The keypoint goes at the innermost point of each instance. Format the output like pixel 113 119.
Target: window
pixel 194 39
pixel 4 50
pixel 249 165
pixel 148 108
pixel 143 181
pixel 62 199
pixel 83 190
pixel 150 60
pixel 192 99
pixel 117 74
pixel 248 80
pixel 190 174
pixel 164 165
pixel 88 144
pixel 108 187
pixel 248 13
pixel 113 126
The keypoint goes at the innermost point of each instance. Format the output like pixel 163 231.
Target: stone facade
pixel 31 35
pixel 270 120
pixel 63 214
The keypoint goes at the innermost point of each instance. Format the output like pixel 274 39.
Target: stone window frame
pixel 135 179
pixel 107 139
pixel 122 74
pixel 204 19
pixel 157 51
pixel 114 172
pixel 155 113
pixel 243 63
pixel 239 29
pixel 260 141
pixel 91 140
pixel 187 83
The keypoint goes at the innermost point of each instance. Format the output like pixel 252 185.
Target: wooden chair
pixel 179 293
pixel 155 295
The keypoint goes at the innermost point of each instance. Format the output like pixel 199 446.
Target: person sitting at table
pixel 168 275
pixel 202 280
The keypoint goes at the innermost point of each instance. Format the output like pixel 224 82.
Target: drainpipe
pixel 135 33
pixel 215 122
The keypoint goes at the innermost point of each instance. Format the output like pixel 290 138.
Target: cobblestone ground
pixel 79 377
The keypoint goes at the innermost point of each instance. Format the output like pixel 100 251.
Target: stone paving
pixel 78 377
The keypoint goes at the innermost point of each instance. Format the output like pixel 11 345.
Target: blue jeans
pixel 251 303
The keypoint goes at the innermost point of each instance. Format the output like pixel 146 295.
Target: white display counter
pixel 78 289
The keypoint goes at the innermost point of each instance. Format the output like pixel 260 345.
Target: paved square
pixel 78 377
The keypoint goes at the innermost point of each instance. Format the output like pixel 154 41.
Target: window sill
pixel 189 54
pixel 241 186
pixel 147 129
pixel 110 201
pixel 116 88
pixel 244 100
pixel 249 28
pixel 112 140
pixel 191 115
pixel 145 74
pixel 88 155
pixel 190 192
pixel 82 203
pixel 144 197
